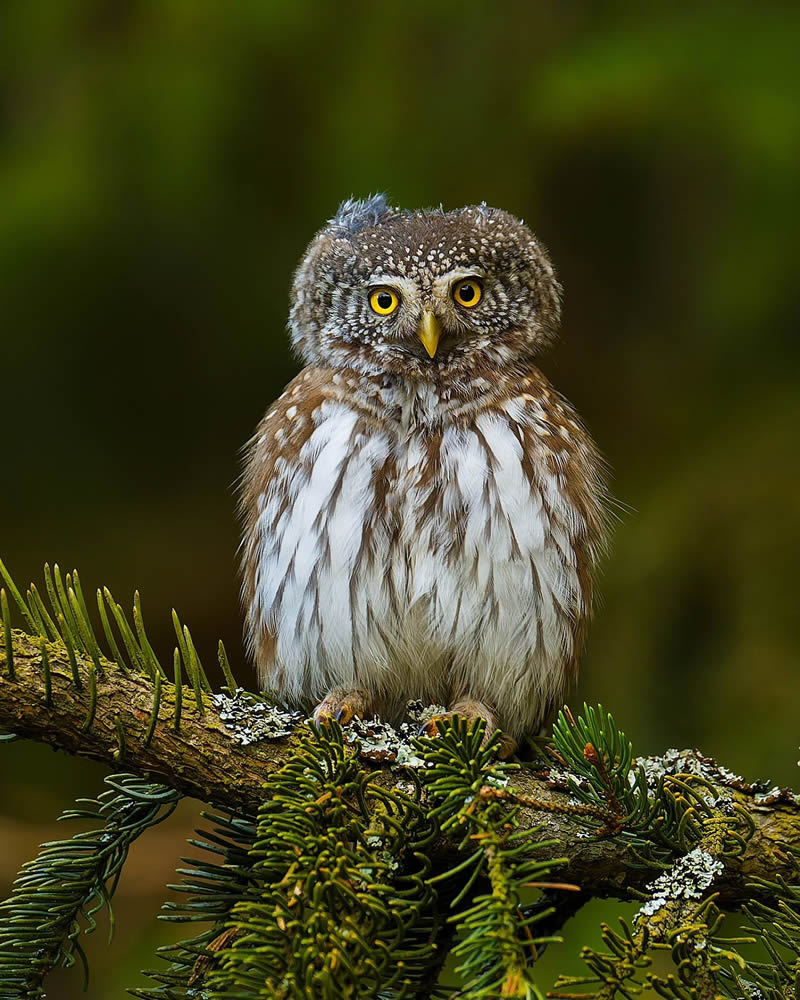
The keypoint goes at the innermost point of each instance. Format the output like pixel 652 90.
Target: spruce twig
pixel 59 894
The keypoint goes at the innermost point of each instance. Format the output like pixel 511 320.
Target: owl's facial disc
pixel 440 304
pixel 428 294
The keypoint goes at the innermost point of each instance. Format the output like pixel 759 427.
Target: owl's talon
pixel 342 705
pixel 431 727
pixel 507 748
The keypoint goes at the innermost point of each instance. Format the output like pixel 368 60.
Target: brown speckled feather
pixel 415 526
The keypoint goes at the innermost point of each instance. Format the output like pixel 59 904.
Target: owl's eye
pixel 384 301
pixel 468 292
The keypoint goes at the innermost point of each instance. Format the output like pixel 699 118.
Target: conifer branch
pixel 60 892
pixel 77 701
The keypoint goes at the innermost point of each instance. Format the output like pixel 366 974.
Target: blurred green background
pixel 162 167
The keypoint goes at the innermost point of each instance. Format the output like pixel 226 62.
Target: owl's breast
pixel 483 547
pixel 405 553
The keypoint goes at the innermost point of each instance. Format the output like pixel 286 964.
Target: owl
pixel 423 513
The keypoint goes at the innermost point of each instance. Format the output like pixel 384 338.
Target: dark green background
pixel 162 167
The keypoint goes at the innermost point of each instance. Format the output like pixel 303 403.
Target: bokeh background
pixel 162 167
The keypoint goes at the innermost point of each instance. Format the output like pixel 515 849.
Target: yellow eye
pixel 468 292
pixel 384 301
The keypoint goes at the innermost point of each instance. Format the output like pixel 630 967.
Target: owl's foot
pixel 430 728
pixel 343 705
pixel 472 710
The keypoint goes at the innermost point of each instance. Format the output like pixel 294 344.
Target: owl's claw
pixel 342 705
pixel 507 746
pixel 345 714
pixel 430 728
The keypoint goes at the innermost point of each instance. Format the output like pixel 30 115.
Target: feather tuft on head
pixel 355 214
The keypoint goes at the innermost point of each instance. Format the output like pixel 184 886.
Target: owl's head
pixel 423 294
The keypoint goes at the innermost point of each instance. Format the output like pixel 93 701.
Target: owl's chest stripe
pixel 368 511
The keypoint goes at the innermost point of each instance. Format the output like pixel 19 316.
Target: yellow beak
pixel 429 331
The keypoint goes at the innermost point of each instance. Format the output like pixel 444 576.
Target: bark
pixel 202 758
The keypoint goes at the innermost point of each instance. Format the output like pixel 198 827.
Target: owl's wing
pixel 561 454
pixel 272 462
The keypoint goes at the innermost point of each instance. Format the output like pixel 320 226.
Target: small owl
pixel 422 511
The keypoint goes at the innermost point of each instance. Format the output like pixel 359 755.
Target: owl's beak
pixel 429 331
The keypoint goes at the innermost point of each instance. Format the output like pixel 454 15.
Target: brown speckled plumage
pixel 417 526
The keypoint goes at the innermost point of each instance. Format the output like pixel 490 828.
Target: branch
pixel 203 758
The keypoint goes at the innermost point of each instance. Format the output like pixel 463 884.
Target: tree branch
pixel 203 758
